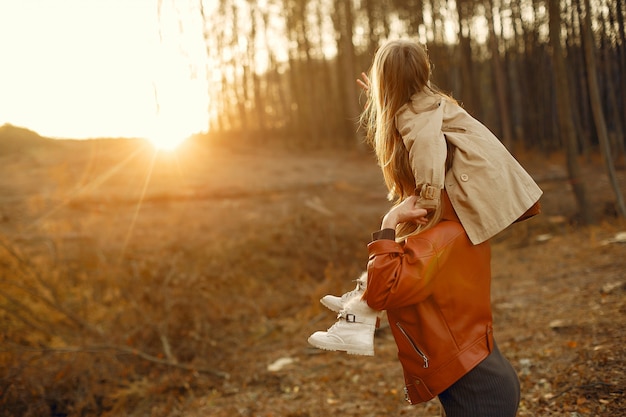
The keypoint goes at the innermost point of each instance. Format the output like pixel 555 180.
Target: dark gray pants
pixel 491 389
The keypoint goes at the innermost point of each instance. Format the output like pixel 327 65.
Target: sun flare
pixel 167 141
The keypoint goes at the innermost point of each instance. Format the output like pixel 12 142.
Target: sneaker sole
pixel 350 350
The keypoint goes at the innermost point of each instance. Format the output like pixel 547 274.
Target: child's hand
pixel 407 210
pixel 364 83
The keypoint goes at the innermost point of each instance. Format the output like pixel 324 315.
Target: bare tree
pixel 619 14
pixel 343 20
pixel 610 55
pixel 513 57
pixel 564 111
pixel 499 78
pixel 469 92
pixel 596 107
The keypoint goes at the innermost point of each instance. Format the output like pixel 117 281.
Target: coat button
pixel 464 177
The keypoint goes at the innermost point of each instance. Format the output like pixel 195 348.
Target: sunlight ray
pixel 87 187
pixel 142 196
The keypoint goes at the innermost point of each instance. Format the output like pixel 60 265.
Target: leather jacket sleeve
pixel 401 274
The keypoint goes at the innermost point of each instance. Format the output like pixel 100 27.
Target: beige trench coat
pixel 488 188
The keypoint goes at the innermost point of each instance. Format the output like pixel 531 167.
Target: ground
pixel 202 270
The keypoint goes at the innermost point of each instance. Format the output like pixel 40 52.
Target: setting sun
pixel 168 139
pixel 166 143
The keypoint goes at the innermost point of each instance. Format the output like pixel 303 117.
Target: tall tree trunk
pixel 566 125
pixel 347 72
pixel 469 93
pixel 531 103
pixel 307 78
pixel 611 53
pixel 241 71
pixel 499 78
pixel 275 96
pixel 621 46
pixel 298 122
pixel 327 99
pixel 596 107
pixel 579 97
pixel 513 58
pixel 255 81
pixel 539 65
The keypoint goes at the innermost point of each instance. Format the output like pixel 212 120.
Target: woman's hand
pixel 364 82
pixel 407 210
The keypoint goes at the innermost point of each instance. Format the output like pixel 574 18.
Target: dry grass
pixel 124 272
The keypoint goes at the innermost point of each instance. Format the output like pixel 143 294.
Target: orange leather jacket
pixel 435 287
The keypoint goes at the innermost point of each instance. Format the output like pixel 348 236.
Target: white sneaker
pixel 337 304
pixel 353 332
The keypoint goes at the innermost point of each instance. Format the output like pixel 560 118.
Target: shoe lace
pixel 356 290
pixel 330 329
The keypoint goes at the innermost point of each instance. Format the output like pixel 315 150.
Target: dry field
pixel 135 283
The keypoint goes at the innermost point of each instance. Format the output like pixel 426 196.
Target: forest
pixel 543 75
pixel 142 282
pixel 286 69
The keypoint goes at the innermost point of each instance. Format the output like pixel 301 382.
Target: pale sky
pixel 89 68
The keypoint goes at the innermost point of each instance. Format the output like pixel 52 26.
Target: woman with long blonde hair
pixel 454 186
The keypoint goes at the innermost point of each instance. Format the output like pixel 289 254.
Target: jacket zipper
pixel 417 349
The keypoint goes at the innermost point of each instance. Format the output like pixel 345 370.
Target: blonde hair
pixel 400 69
